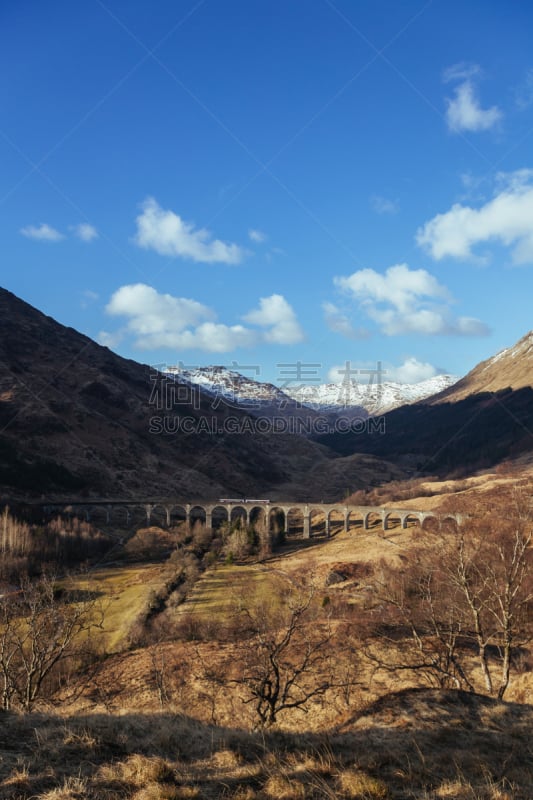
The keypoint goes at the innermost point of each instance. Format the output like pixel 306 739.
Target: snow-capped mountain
pixel 328 398
pixel 376 398
pixel 233 387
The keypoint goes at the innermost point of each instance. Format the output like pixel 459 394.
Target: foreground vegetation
pixel 420 744
pixel 370 665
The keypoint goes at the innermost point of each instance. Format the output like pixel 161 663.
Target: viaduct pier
pixel 280 514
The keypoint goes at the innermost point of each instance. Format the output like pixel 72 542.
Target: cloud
pixel 156 319
pixel 464 113
pixel 463 110
pixel 85 232
pixel 42 233
pixel 399 286
pixel 159 320
pixel 169 235
pixel 212 337
pixel 405 301
pixel 382 205
pixel 411 371
pixel 338 322
pixel 507 219
pixel 45 233
pixel 257 236
pixel 462 71
pixel 278 316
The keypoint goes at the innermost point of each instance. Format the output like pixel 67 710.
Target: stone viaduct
pixel 277 513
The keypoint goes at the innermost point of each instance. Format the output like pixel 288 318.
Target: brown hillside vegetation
pixel 511 368
pixel 382 692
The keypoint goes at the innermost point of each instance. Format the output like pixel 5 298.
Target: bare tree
pixel 420 623
pixel 494 572
pixel 469 588
pixel 282 658
pixel 41 629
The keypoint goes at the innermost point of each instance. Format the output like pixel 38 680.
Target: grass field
pixel 124 591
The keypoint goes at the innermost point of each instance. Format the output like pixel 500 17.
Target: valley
pixel 166 711
pixel 266 400
pixel 323 640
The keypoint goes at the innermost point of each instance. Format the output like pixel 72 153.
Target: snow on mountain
pixel 374 398
pixel 232 387
pixel 236 389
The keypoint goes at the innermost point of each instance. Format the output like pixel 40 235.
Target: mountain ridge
pixel 479 422
pixel 363 399
pixel 511 368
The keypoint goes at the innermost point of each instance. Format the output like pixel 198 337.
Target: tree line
pixel 28 547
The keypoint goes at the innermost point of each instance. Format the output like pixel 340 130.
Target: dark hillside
pixel 76 419
pixel 476 432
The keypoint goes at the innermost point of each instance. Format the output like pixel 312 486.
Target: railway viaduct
pixel 275 512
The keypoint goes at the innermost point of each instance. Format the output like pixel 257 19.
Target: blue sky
pixel 265 182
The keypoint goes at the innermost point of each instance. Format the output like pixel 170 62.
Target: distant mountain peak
pixel 330 398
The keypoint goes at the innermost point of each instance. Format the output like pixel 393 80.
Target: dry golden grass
pixel 215 593
pixel 454 746
pixel 125 591
pixel 431 494
pixel 357 785
pixel 279 787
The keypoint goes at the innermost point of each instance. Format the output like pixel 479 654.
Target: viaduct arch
pixel 275 512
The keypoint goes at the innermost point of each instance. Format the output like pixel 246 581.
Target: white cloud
pixel 85 232
pixel 278 316
pixel 257 236
pixel 157 320
pixel 411 371
pixel 383 205
pixel 463 110
pixel 338 322
pixel 405 301
pixel 213 337
pixel 169 235
pixel 45 233
pixel 507 219
pixel 399 286
pixel 42 232
pixel 162 320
